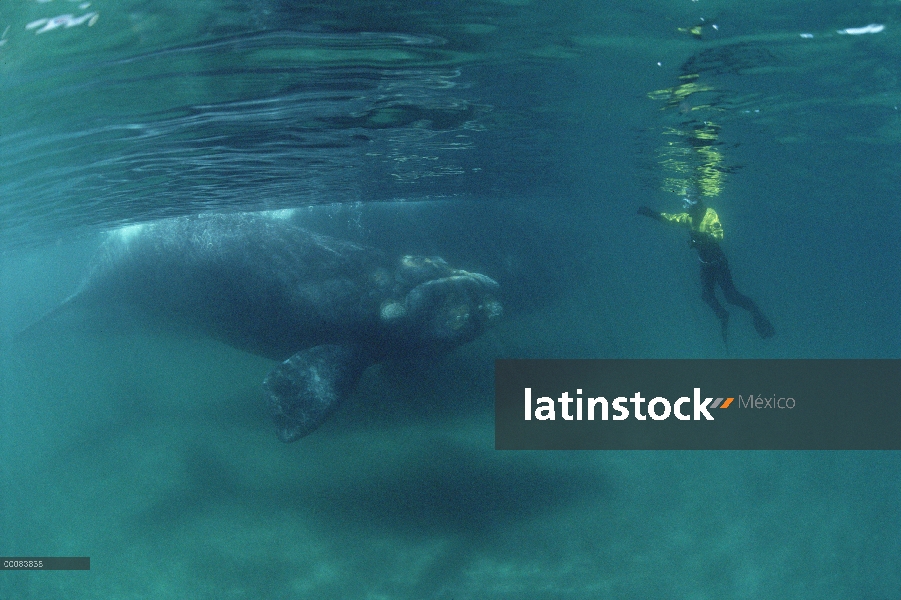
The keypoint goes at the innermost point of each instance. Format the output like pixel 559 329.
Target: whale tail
pixel 305 390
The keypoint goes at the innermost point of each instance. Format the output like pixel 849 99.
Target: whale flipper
pixel 305 389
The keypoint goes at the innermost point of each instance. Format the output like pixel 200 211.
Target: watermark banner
pixel 45 563
pixel 697 404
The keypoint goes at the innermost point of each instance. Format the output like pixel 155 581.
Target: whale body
pixel 325 308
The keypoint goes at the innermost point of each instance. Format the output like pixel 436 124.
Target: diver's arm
pixel 644 211
pixel 682 219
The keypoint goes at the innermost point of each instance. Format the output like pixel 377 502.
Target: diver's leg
pixel 763 326
pixel 708 286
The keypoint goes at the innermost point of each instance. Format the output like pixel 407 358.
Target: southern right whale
pixel 326 308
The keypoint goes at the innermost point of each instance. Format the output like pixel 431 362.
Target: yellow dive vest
pixel 710 224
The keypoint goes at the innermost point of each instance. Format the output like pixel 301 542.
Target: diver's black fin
pixel 724 328
pixel 305 389
pixel 763 326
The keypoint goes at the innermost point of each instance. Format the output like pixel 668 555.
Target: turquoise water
pixel 513 138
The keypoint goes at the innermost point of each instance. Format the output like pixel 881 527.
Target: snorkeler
pixel 705 233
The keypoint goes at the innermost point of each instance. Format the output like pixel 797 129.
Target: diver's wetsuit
pixel 705 238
